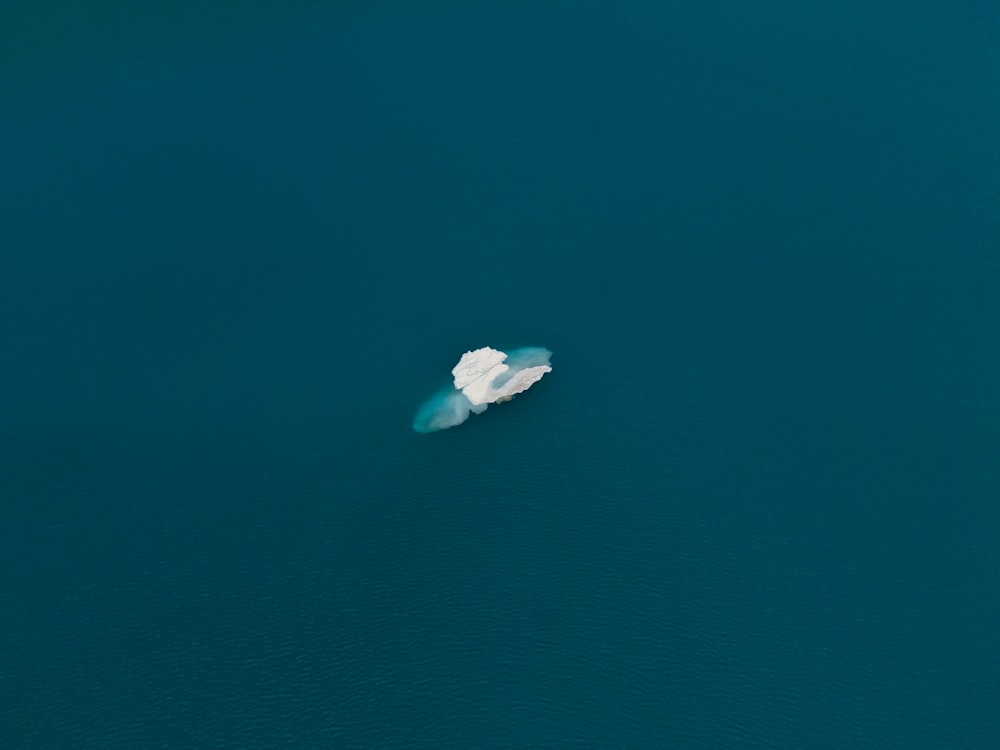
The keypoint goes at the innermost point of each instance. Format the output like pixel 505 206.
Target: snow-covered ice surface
pixel 478 376
pixel 482 377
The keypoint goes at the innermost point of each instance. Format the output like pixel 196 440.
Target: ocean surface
pixel 756 504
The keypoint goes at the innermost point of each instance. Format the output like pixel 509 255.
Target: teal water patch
pixel 447 408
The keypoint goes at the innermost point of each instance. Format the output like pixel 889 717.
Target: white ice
pixel 482 377
pixel 477 375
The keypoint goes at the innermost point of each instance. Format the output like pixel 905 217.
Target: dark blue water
pixel 756 504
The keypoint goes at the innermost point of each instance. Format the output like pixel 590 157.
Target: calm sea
pixel 755 505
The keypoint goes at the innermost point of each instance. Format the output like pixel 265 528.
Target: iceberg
pixel 482 377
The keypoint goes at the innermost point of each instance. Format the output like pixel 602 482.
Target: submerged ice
pixel 482 377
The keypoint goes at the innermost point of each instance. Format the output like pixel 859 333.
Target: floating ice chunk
pixel 482 377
